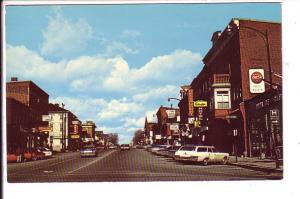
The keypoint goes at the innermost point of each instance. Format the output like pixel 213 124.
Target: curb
pixel 256 168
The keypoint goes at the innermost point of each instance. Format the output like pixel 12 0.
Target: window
pixel 202 149
pixel 222 99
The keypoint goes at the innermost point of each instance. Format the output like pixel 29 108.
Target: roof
pixel 31 83
pixel 256 20
pixel 57 108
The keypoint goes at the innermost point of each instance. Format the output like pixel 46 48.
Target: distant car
pixel 33 155
pixel 88 150
pixel 203 154
pixel 46 151
pixel 139 147
pixel 124 147
pixel 112 147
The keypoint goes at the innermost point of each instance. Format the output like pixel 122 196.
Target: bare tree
pixel 138 137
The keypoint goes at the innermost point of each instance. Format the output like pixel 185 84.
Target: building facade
pixel 167 126
pixel 26 104
pixel 60 123
pixel 88 131
pixel 244 62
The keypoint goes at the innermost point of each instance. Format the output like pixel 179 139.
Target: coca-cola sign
pixel 256 76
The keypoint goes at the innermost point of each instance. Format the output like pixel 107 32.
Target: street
pixel 114 165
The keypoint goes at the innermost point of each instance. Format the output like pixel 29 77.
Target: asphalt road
pixel 115 165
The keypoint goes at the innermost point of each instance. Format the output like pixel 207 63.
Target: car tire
pixel 205 162
pixel 225 161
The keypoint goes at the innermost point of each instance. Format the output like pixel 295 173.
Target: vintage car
pixel 33 155
pixel 46 151
pixel 88 150
pixel 203 154
pixel 124 147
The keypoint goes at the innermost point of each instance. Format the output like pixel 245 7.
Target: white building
pixel 60 122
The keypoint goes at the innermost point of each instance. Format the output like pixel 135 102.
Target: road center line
pixel 94 161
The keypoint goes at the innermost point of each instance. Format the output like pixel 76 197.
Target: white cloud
pixel 22 62
pixel 130 33
pixel 170 68
pixel 119 48
pixel 119 108
pixel 63 37
pixel 134 122
pixel 157 93
pixel 96 73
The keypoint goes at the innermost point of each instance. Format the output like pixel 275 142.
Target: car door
pixel 212 155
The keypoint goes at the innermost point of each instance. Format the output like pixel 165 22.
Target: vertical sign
pixel 256 76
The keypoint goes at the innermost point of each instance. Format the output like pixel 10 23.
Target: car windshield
pixel 187 148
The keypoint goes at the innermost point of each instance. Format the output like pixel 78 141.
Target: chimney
pixel 14 79
pixel 216 35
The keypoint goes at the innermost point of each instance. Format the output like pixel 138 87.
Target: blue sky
pixel 115 64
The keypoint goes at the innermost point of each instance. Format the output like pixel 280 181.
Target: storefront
pixel 265 123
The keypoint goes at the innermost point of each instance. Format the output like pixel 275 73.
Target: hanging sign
pixel 256 76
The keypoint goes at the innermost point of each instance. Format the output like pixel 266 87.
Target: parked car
pixel 161 149
pixel 124 147
pixel 203 154
pixel 88 150
pixel 139 147
pixel 33 155
pixel 170 153
pixel 46 151
pixel 11 157
pixel 155 148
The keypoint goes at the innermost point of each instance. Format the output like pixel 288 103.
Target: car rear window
pixel 187 148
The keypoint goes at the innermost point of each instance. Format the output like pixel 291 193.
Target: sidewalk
pixel 266 165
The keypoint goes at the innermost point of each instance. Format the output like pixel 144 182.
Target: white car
pixel 47 152
pixel 203 154
pixel 124 147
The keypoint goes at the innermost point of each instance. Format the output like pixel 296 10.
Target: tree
pixel 113 138
pixel 138 137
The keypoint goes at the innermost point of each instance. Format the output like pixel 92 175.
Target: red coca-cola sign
pixel 256 77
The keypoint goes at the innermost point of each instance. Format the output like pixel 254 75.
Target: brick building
pixel 151 130
pixel 167 125
pixel 88 130
pixel 26 104
pixel 244 62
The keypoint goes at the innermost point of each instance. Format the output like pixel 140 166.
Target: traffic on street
pixel 136 164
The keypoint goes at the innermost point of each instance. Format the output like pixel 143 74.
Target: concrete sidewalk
pixel 266 165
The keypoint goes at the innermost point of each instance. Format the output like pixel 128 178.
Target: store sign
pixel 46 118
pixel 256 76
pixel 151 133
pixel 157 137
pixel 171 113
pixel 75 136
pixel 174 127
pixel 191 120
pixel 200 103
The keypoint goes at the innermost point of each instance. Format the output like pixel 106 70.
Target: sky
pixel 117 64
